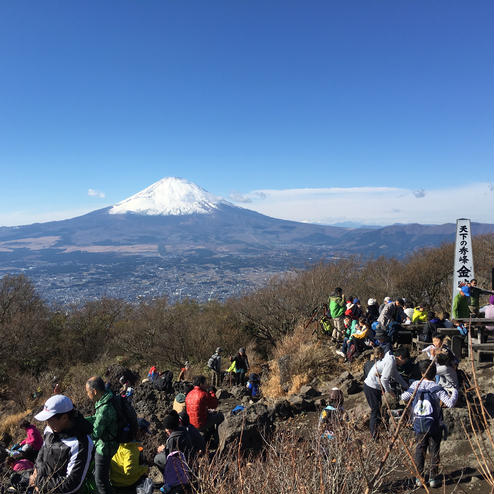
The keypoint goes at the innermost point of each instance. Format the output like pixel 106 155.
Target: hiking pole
pixel 407 450
pixel 313 315
pixel 395 435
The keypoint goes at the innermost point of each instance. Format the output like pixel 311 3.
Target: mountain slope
pixel 174 235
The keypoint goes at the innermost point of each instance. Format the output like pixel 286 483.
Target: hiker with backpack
pixel 253 385
pixel 356 343
pixel 372 312
pixel 241 366
pixel 332 415
pixel 63 461
pixel 127 467
pixel 427 418
pixel 391 318
pixel 378 382
pixel 214 366
pixel 172 457
pixel 337 308
pixel 105 431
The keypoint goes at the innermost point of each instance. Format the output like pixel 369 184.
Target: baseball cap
pixel 371 301
pixel 466 290
pixel 55 404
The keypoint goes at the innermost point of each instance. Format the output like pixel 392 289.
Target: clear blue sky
pixel 239 96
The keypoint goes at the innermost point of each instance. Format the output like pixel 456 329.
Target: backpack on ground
pixel 213 362
pixel 353 351
pixel 164 382
pixel 426 411
pixel 127 419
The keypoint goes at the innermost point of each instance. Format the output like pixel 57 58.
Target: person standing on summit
pixel 337 307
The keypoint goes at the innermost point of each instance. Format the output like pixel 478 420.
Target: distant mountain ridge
pixel 174 237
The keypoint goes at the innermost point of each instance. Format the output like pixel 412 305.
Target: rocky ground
pixel 298 413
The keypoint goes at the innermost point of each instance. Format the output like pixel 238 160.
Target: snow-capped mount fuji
pixel 175 238
pixel 170 196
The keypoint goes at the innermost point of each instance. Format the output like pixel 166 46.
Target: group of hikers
pixel 355 328
pixel 431 383
pixel 102 453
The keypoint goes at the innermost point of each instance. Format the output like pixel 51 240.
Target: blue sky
pixel 264 103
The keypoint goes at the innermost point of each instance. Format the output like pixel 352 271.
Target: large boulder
pixel 299 404
pixel 309 392
pixel 115 372
pixel 149 402
pixel 249 427
pixel 281 410
pixel 238 392
pixel 223 394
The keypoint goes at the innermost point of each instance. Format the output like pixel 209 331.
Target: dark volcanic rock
pixel 282 410
pixel 309 392
pixel 115 372
pixel 299 404
pixel 249 427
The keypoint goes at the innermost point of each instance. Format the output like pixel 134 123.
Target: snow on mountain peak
pixel 169 196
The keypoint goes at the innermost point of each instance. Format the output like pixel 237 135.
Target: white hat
pixel 371 301
pixel 387 299
pixel 55 404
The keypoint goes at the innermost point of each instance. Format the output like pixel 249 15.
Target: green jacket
pixel 337 307
pixel 460 306
pixel 105 426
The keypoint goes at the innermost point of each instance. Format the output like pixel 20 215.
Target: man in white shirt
pixel 378 381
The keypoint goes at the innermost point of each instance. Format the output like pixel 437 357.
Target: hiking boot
pixel 340 353
pixel 435 483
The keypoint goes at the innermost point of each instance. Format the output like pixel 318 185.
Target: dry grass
pixel 308 465
pixel 297 382
pixel 307 358
pixel 10 424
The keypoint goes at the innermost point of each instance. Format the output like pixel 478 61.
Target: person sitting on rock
pixel 196 439
pixel 22 470
pixel 372 311
pixel 31 445
pixel 350 326
pixel 200 403
pixel 184 372
pixel 127 466
pixel 174 457
pixel 355 343
pixel 64 459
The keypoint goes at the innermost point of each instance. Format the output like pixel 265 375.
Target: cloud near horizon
pixel 95 193
pixel 374 205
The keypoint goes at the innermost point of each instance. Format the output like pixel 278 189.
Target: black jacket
pixel 63 460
